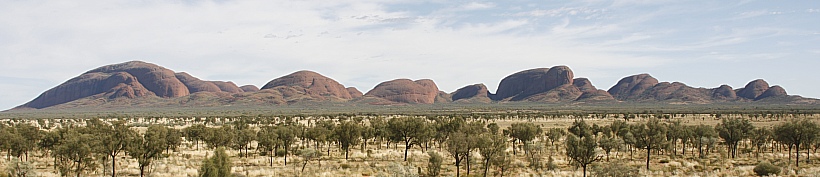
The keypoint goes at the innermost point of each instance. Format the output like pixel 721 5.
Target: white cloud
pixel 477 6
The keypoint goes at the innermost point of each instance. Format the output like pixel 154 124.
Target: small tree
pixel 407 129
pixel 457 149
pixel 307 154
pixel 218 165
pixel 651 135
pixel 348 133
pixel 732 131
pixel 490 146
pixel 433 164
pixel 581 151
pixel 149 147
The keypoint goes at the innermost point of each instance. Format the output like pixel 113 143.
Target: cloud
pixel 477 6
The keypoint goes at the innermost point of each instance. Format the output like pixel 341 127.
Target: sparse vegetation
pixel 478 144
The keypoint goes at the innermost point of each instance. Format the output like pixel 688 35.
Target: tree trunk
pixel 648 150
pixel 114 165
pixel 486 166
pixel 585 170
pixel 406 147
pixel 797 158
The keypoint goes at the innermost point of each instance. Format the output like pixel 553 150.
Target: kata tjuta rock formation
pixel 125 80
pixel 138 83
pixel 310 84
pixel 556 84
pixel 422 91
pixel 645 88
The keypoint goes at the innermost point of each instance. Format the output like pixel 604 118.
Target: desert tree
pixel 608 143
pixel 268 141
pixel 523 132
pixel 732 131
pixel 194 133
pixel 433 164
pixel 795 133
pixel 307 155
pixel 407 129
pixel 218 137
pixel 650 135
pixel 490 146
pixel 287 135
pixel 555 134
pixel 75 153
pixel 173 139
pixel 581 145
pixel 349 134
pixel 458 149
pixel 760 136
pixel 113 140
pixel 244 135
pixel 702 134
pixel 148 147
pixel 218 165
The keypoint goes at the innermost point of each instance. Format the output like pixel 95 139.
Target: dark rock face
pixel 422 91
pixel 584 85
pixel 355 93
pixel 195 84
pixel 724 92
pixel 127 80
pixel 753 89
pixel 249 88
pixel 311 83
pixel 774 91
pixel 471 91
pixel 562 93
pixel 597 95
pixel 676 91
pixel 526 83
pixel 632 87
pixel 228 86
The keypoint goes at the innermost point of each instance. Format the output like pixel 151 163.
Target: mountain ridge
pixel 139 83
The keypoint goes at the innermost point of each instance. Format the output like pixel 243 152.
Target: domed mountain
pixel 312 84
pixel 753 89
pixel 521 85
pixel 422 91
pixel 249 88
pixel 130 80
pixel 632 87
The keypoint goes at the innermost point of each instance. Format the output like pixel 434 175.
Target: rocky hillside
pixel 138 83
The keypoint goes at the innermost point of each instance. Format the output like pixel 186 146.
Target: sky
pixel 456 43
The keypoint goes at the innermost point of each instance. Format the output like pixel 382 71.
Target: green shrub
pixel 345 166
pixel 433 164
pixel 766 169
pixel 218 165
pixel 280 152
pixel 614 169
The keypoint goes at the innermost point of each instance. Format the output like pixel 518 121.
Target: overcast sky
pixel 455 43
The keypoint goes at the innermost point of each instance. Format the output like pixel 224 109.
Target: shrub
pixel 433 164
pixel 766 169
pixel 219 165
pixel 280 152
pixel 345 166
pixel 614 169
